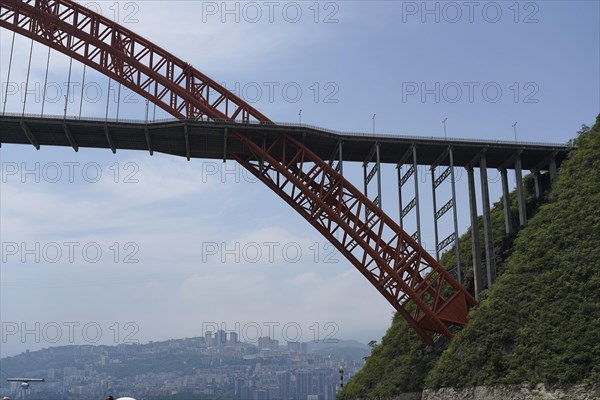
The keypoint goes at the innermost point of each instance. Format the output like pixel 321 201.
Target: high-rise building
pixel 233 338
pixel 304 348
pixel 284 382
pixel 220 338
pixel 266 342
pixel 208 338
pixel 304 384
pixel 260 394
pixel 241 389
pixel 294 347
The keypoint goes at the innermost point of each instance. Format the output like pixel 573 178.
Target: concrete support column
pixel 341 159
pixel 416 176
pixel 366 187
pixel 552 168
pixel 490 257
pixel 520 192
pixel 378 161
pixel 435 222
pixel 537 183
pixel 506 203
pixel 476 246
pixel 400 203
pixel 455 212
pixel 370 174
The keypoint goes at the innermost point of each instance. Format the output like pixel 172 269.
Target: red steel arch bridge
pixel 302 164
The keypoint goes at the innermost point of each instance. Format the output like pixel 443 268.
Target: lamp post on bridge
pixel 300 117
pixel 444 122
pixel 373 118
pixel 515 129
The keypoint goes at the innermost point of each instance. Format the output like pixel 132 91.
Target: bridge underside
pixel 208 139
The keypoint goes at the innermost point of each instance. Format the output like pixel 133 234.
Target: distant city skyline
pixel 245 371
pixel 106 249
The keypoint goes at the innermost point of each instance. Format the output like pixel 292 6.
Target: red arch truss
pixel 416 285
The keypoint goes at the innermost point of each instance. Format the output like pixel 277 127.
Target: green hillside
pixel 541 319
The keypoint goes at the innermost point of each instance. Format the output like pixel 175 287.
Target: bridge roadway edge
pixel 207 140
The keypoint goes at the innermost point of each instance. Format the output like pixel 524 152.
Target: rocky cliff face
pixel 513 392
pixel 507 392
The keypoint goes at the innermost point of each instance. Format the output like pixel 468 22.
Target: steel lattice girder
pixel 419 288
pixel 416 285
pixel 126 57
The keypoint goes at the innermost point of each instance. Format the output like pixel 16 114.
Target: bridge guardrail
pixel 293 125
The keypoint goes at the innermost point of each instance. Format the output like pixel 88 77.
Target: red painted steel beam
pixel 416 285
pixel 126 57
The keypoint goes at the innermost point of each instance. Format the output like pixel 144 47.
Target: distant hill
pixel 181 369
pixel 153 357
pixel 541 320
pixel 337 343
pixel 348 349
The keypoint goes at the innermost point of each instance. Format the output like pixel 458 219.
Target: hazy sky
pixel 185 246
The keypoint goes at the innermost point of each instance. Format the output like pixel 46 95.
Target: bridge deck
pixel 206 140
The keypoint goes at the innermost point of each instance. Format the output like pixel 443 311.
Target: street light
pixel 373 124
pixel 444 122
pixel 515 129
pixel 300 117
pixel 25 383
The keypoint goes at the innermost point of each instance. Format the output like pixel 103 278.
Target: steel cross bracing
pixel 448 172
pixel 369 174
pixel 403 178
pixel 416 285
pixel 126 57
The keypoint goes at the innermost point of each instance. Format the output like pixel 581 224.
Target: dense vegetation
pixel 542 318
pixel 540 321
